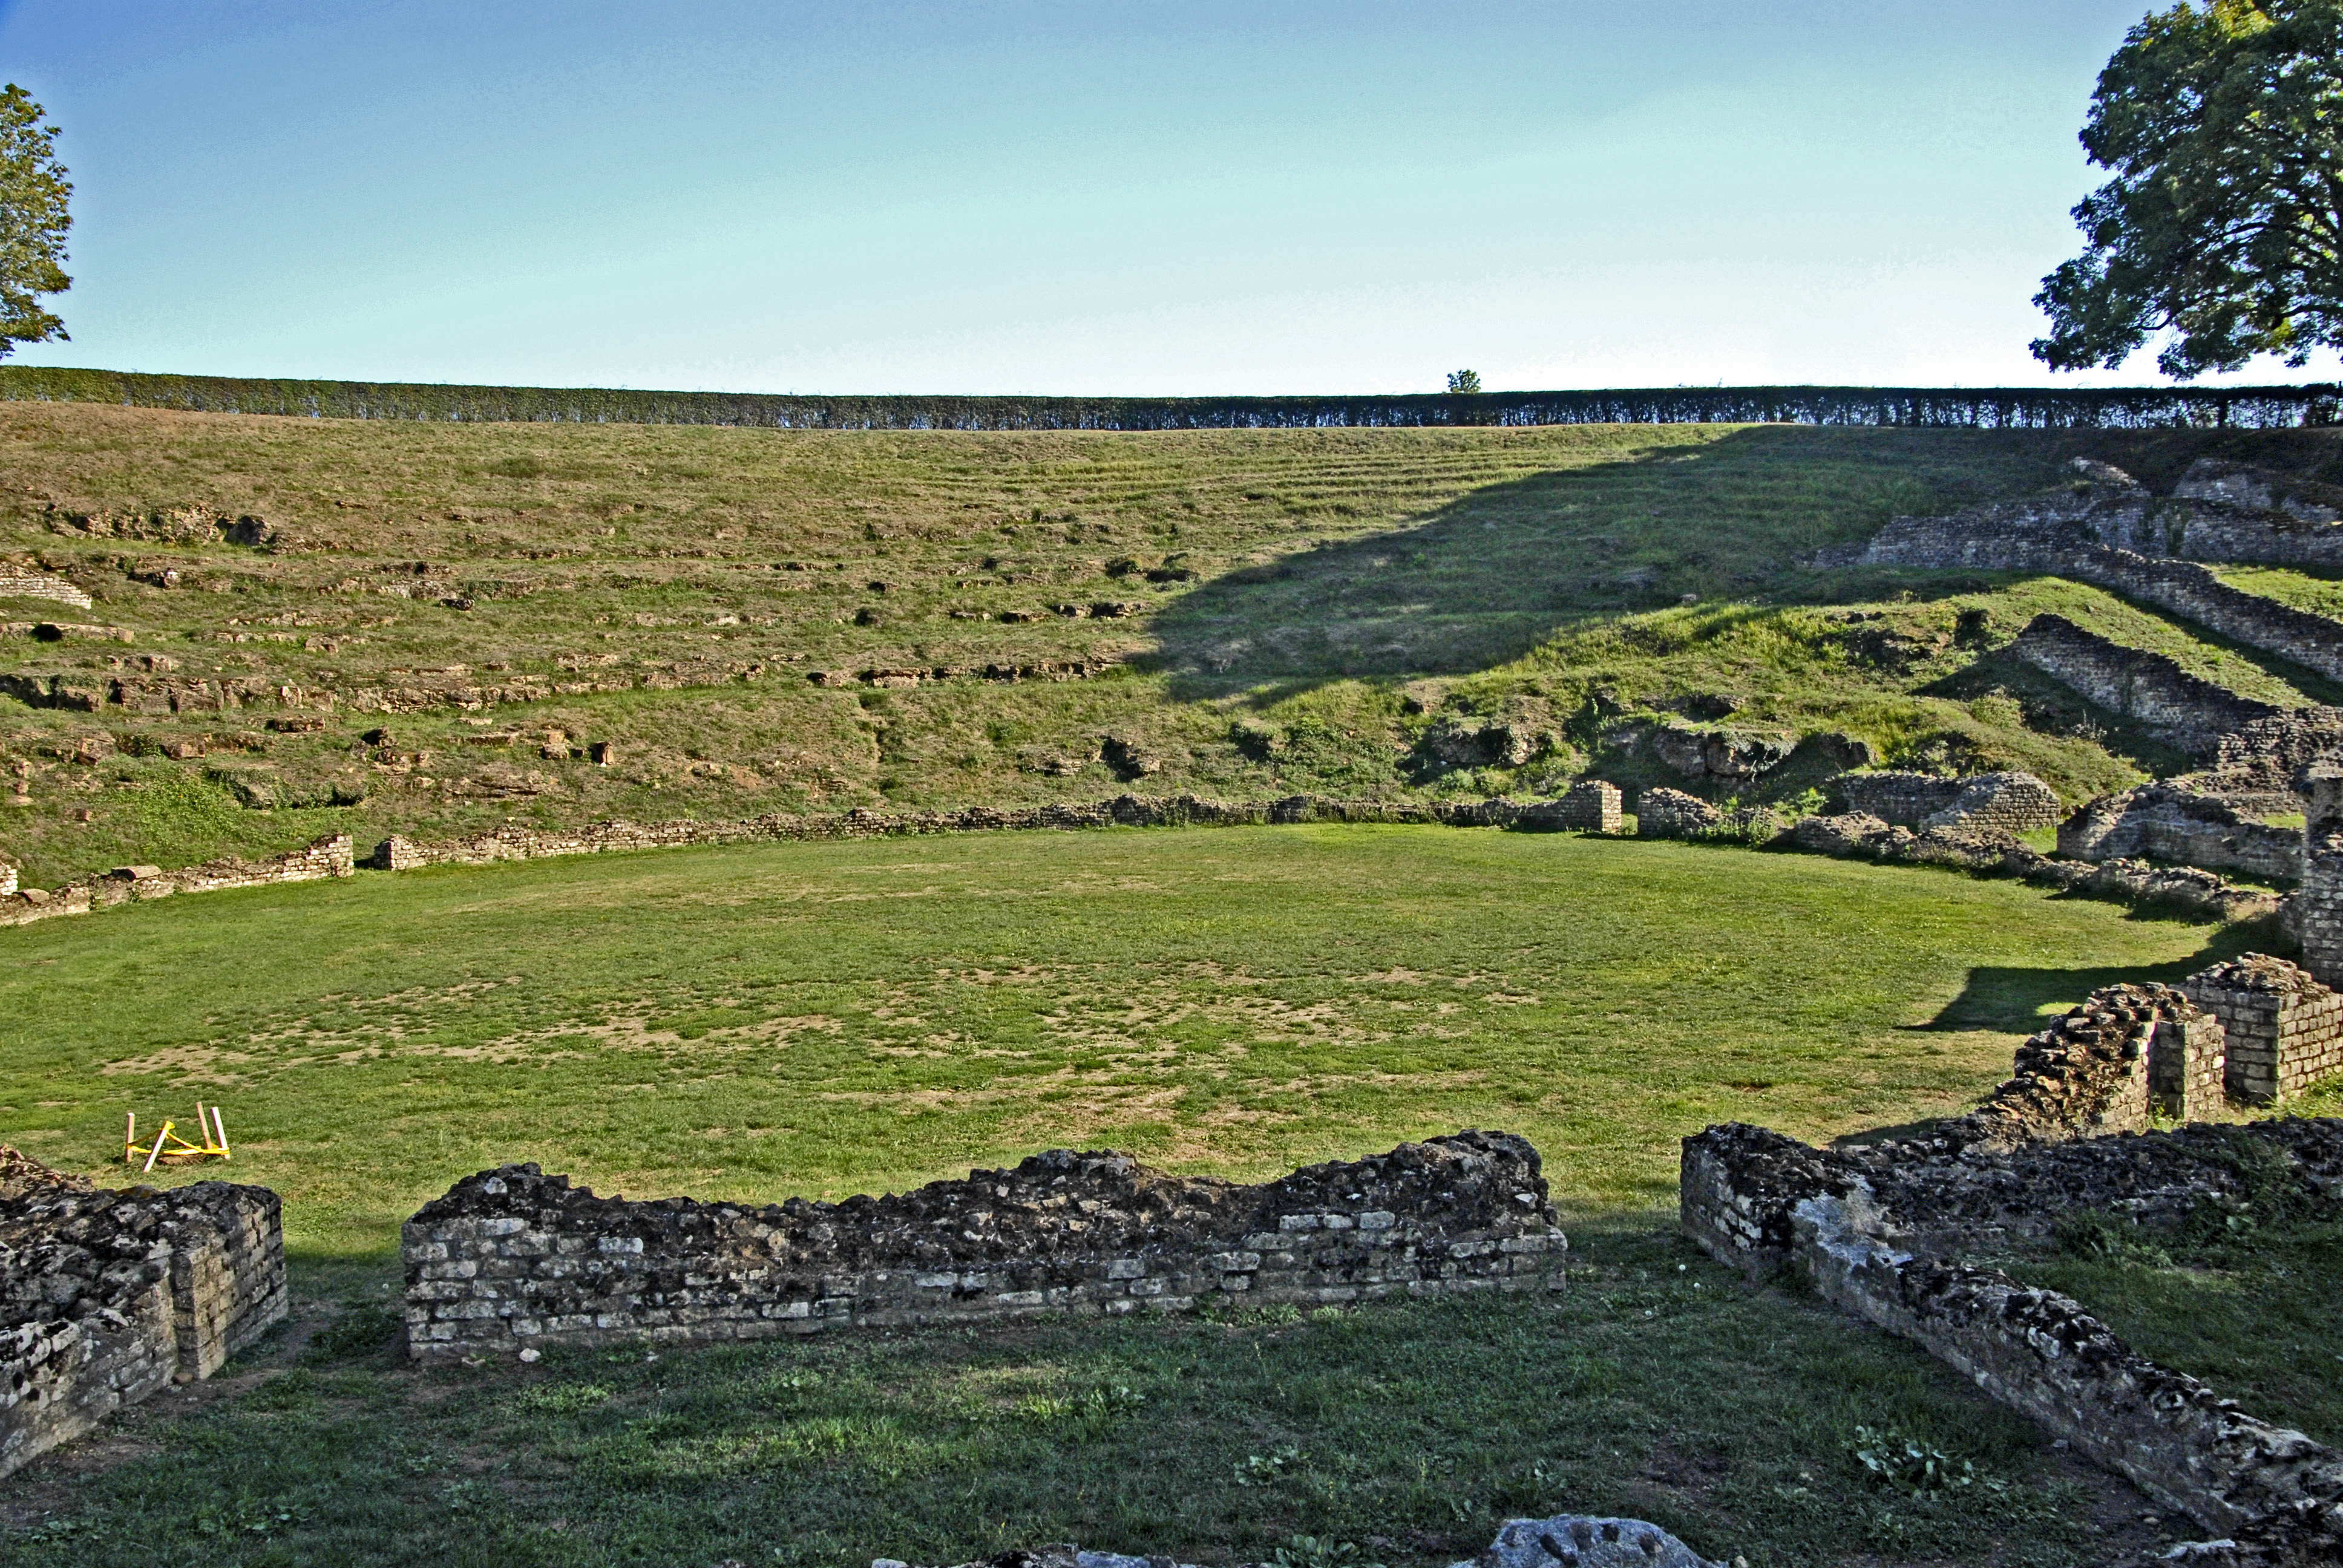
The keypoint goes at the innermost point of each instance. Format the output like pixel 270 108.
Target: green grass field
pixel 830 1018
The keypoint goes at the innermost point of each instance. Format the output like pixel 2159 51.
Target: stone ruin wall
pixel 2167 822
pixel 1592 806
pixel 331 855
pixel 2318 905
pixel 17 583
pixel 107 1296
pixel 511 1257
pixel 2187 711
pixel 1986 802
pixel 2283 1030
pixel 1878 1231
pixel 2193 593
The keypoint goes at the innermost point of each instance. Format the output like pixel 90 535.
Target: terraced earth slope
pixel 299 625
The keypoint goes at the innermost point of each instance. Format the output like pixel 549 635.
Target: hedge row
pixel 2247 407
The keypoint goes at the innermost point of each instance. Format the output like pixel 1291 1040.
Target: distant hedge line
pixel 2246 407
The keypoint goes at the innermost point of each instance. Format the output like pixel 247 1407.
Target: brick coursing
pixel 512 1258
pixel 2284 1029
pixel 21 584
pixel 331 855
pixel 107 1296
pixel 2009 802
pixel 2185 710
pixel 2177 826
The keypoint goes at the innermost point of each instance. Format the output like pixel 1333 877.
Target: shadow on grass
pixel 1489 576
pixel 2012 1001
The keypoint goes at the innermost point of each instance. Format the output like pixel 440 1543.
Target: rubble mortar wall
pixel 107 1296
pixel 2041 1354
pixel 511 1257
pixel 2175 826
pixel 2149 689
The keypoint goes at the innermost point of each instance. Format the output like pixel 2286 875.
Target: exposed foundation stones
pixel 1664 813
pixel 511 1257
pixel 107 1296
pixel 331 855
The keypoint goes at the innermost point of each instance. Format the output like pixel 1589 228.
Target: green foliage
pixel 1909 1464
pixel 34 220
pixel 1464 383
pixel 2223 123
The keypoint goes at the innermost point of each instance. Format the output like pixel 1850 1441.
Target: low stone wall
pixel 1877 1229
pixel 331 855
pixel 1590 805
pixel 512 1258
pixel 2004 802
pixel 2188 591
pixel 17 583
pixel 2184 890
pixel 1664 813
pixel 107 1296
pixel 2177 826
pixel 2038 532
pixel 2187 711
pixel 2283 1031
pixel 2042 1353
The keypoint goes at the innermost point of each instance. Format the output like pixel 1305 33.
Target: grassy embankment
pixel 830 1018
pixel 1298 608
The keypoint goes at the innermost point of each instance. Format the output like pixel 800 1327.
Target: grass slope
pixel 1299 608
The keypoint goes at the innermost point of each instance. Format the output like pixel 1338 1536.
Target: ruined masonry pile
pixel 107 1296
pixel 1878 1231
pixel 513 1258
pixel 2180 825
pixel 1983 803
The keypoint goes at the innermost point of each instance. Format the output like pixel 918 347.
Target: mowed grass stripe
pixel 753 1022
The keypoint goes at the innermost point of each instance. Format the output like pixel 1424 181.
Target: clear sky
pixel 1277 196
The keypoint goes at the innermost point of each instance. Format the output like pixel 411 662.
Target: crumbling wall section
pixel 2007 802
pixel 2042 1353
pixel 2318 906
pixel 17 582
pixel 2178 826
pixel 107 1296
pixel 2192 592
pixel 1664 813
pixel 2185 710
pixel 512 1258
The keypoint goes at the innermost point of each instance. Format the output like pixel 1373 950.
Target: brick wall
pixel 2179 827
pixel 20 583
pixel 2189 712
pixel 2006 802
pixel 331 855
pixel 107 1296
pixel 2284 1029
pixel 512 1258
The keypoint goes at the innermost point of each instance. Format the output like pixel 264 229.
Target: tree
pixel 2223 225
pixel 1464 381
pixel 33 222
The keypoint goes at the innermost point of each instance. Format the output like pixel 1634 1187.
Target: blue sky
pixel 1183 197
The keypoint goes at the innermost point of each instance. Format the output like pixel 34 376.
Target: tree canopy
pixel 2223 123
pixel 33 222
